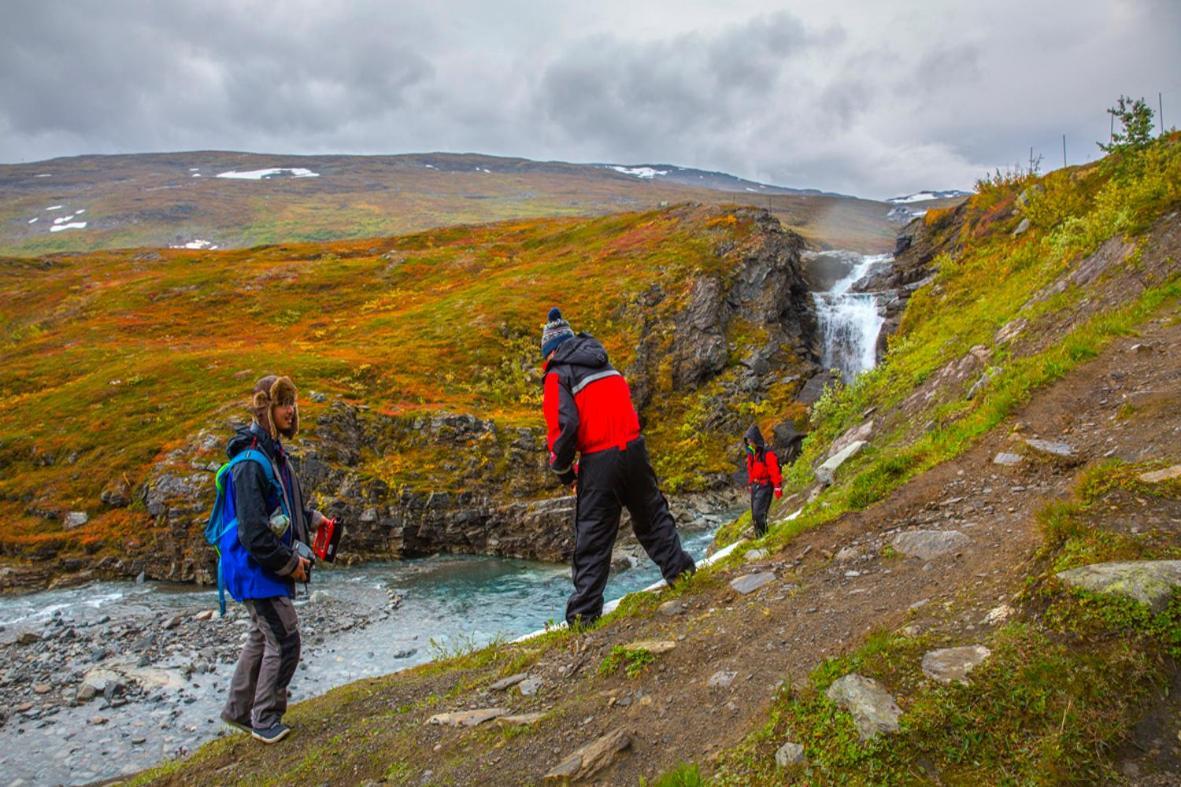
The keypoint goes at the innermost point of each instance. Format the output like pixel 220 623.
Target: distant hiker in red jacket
pixel 762 476
pixel 589 412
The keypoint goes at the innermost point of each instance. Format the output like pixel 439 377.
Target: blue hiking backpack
pixel 246 578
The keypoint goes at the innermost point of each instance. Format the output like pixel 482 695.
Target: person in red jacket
pixel 762 477
pixel 589 413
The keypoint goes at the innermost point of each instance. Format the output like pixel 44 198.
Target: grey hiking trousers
pixel 258 691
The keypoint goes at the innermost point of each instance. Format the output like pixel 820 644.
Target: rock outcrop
pixel 415 485
pixel 1150 582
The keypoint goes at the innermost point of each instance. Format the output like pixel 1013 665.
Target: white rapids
pixel 850 321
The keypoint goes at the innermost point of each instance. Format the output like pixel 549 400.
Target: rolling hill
pixel 232 200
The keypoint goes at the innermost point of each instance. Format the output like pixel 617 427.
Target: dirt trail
pixel 1124 404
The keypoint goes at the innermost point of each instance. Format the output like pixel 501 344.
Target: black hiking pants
pixel 608 481
pixel 760 504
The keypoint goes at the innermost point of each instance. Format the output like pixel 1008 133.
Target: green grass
pixel 633 661
pixel 990 284
pixel 1059 692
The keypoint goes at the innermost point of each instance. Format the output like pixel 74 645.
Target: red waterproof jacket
pixel 587 405
pixel 765 471
pixel 762 465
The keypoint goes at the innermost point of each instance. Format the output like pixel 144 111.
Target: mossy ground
pixel 113 359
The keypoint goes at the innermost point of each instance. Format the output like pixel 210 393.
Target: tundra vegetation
pixel 1038 277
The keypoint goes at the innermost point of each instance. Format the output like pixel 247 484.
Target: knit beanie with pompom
pixel 554 332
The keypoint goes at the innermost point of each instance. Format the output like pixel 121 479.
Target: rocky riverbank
pixel 98 695
pixel 111 677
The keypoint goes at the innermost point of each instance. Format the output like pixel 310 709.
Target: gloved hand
pixel 778 493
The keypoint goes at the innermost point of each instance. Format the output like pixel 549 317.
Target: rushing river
pixel 446 604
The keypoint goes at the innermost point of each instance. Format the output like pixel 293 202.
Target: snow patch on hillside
pixel 34 220
pixel 73 225
pixel 266 174
pixel 195 244
pixel 646 173
pixel 55 207
pixel 924 196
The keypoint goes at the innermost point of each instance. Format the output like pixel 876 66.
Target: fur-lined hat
pixel 270 392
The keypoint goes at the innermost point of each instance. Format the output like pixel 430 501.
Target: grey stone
pixel 826 473
pixel 509 682
pixel 467 718
pixel 815 386
pixel 1053 448
pixel 999 615
pixel 755 555
pixel 672 607
pixel 521 718
pixel 789 754
pixel 949 665
pixel 849 553
pixel 75 519
pixel 721 679
pixel 823 269
pixel 928 544
pixel 858 434
pixel 873 710
pixel 529 686
pixel 1007 458
pixel 653 646
pixel 1150 582
pixel 1160 476
pixel 1022 228
pixel 590 759
pixel 749 583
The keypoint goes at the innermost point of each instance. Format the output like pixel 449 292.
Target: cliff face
pixel 705 353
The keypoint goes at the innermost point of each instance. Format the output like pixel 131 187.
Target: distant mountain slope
pixel 417 357
pixel 227 199
pixel 699 178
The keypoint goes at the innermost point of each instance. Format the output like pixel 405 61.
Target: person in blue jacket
pixel 272 517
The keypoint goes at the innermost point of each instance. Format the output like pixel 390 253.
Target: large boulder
pixel 928 544
pixel 826 472
pixel 1150 582
pixel 873 709
pixel 823 269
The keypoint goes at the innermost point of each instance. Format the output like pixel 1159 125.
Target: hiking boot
pixel 272 734
pixel 237 724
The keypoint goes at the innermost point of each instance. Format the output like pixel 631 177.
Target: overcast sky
pixel 870 98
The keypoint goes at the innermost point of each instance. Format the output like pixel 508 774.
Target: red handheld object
pixel 327 539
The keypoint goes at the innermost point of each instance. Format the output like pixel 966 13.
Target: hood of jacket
pixel 583 350
pixel 246 436
pixel 756 438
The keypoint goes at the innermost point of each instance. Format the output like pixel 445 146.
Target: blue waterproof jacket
pixel 258 481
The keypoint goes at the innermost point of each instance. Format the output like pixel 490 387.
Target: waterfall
pixel 850 321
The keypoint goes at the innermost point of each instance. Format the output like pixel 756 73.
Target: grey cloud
pixel 874 99
pixel 607 89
